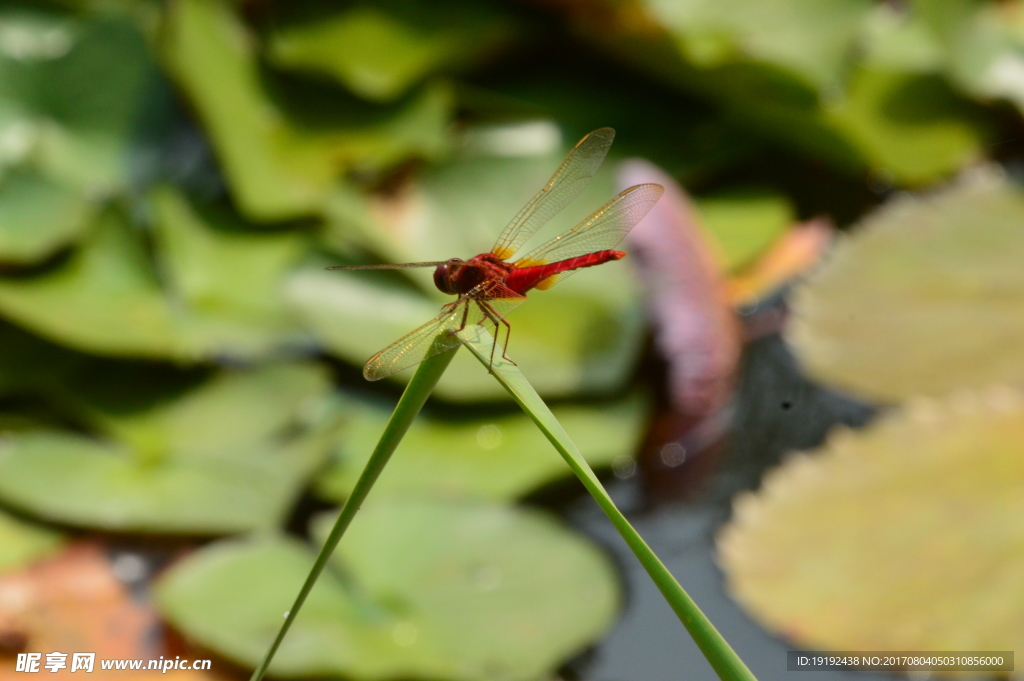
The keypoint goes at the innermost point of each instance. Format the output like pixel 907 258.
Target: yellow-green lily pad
pixel 230 280
pixel 29 364
pixel 925 297
pixel 380 54
pixel 104 298
pixel 908 535
pixel 21 542
pixel 221 296
pixel 71 93
pixel 816 92
pixel 499 458
pixel 910 127
pixel 461 591
pixel 810 38
pixel 38 216
pixel 276 167
pixel 227 456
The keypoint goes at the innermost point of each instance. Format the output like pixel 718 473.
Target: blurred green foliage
pixel 175 175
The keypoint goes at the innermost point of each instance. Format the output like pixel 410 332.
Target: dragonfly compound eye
pixel 442 279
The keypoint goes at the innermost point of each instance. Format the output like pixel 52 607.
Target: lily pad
pixel 380 54
pixel 232 409
pixel 70 93
pixel 498 458
pixel 464 591
pixel 980 45
pixel 21 543
pixel 910 127
pixel 30 364
pixel 224 297
pixel 809 38
pixel 227 456
pixel 896 40
pixel 816 93
pixel 925 297
pixel 278 169
pixel 104 299
pixel 229 279
pixel 908 535
pixel 38 216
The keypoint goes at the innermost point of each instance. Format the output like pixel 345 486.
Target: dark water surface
pixel 777 410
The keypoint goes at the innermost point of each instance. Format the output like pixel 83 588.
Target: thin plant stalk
pixel 412 400
pixel 716 649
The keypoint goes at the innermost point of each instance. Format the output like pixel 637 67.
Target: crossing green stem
pixel 716 649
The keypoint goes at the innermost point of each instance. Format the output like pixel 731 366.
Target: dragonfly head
pixel 444 276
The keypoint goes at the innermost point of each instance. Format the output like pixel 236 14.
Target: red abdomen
pixel 523 279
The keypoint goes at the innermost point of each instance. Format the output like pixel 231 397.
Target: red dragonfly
pixel 489 287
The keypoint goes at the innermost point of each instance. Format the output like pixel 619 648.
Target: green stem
pixel 412 400
pixel 716 649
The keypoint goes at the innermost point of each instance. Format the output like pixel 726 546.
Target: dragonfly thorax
pixel 457 276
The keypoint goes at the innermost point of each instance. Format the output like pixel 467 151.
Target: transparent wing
pixel 565 185
pixel 485 305
pixel 432 338
pixel 602 230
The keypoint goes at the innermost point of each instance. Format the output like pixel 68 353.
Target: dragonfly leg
pixel 465 316
pixel 491 316
pixel 508 334
pixel 495 319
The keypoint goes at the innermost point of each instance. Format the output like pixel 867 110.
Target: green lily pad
pixel 466 591
pixel 30 364
pixel 378 54
pixel 498 458
pixel 224 294
pixel 278 169
pixel 22 543
pixel 744 225
pixel 925 297
pixel 227 456
pixel 582 336
pixel 910 127
pixel 908 535
pixel 230 410
pixel 808 37
pixel 104 299
pixel 38 216
pixel 71 91
pixel 786 70
pixel 980 44
pixel 230 280
pixel 898 41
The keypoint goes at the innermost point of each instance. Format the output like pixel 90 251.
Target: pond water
pixel 777 410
